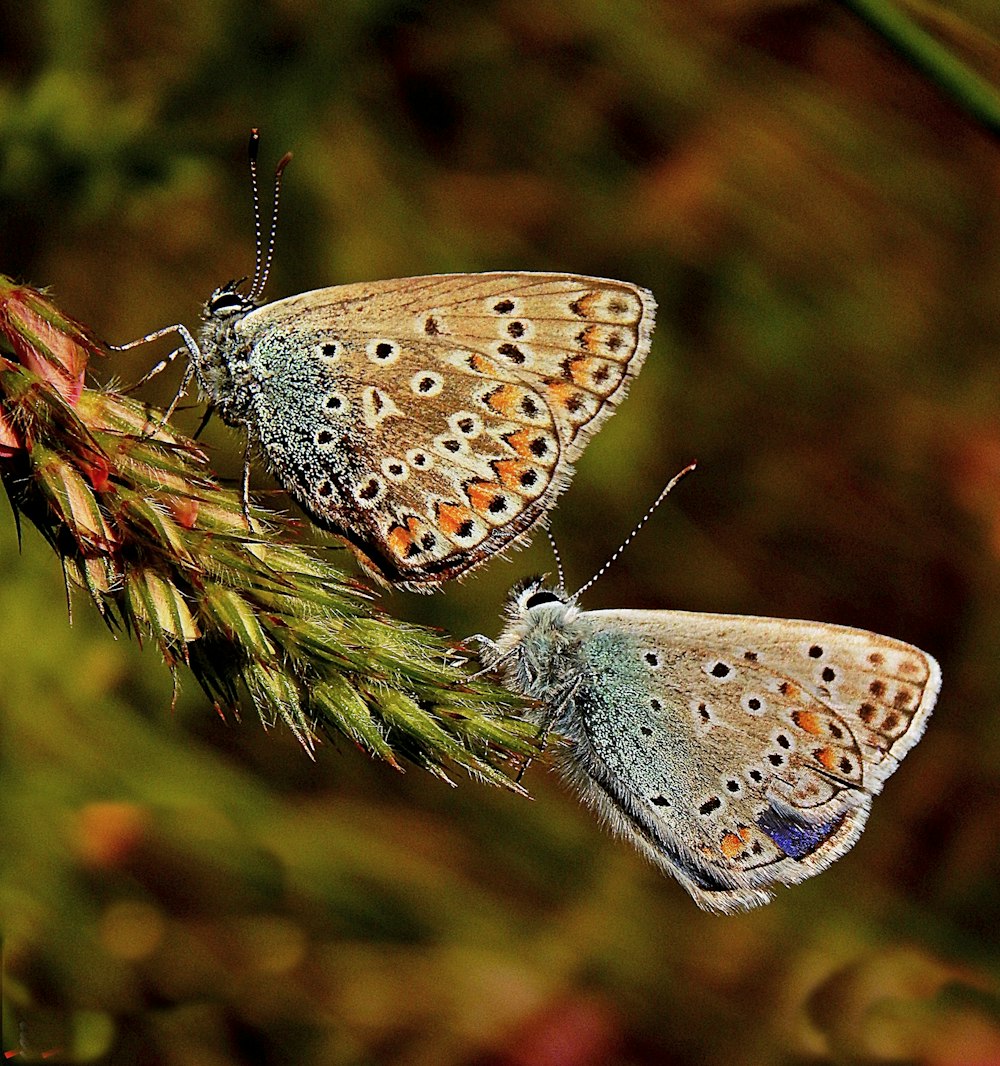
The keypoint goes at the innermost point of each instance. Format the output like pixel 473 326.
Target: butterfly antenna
pixel 252 150
pixel 559 563
pixel 676 479
pixel 260 281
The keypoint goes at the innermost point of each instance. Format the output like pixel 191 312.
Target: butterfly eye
pixel 538 598
pixel 226 300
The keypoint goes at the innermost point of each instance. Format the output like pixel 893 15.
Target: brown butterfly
pixel 430 421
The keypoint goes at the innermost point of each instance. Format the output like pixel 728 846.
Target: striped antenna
pixel 559 563
pixel 252 149
pixel 642 521
pixel 264 255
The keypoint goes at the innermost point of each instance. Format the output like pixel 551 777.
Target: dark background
pixel 821 228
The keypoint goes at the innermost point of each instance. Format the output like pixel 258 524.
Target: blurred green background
pixel 821 228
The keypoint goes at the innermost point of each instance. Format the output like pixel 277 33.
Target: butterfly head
pixel 533 603
pixel 531 592
pixel 229 301
pixel 215 354
pixel 541 623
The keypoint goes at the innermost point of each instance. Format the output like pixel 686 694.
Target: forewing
pixel 433 421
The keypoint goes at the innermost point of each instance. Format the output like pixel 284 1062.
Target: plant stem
pixel 972 93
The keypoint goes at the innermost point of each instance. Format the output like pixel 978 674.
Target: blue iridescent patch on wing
pixel 797 837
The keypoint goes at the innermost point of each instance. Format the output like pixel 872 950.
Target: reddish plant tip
pixel 52 346
pixel 98 472
pixel 184 510
pixel 10 440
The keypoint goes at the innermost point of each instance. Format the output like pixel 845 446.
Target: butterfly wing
pixel 433 421
pixel 740 752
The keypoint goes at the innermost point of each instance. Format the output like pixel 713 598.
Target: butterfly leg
pixel 157 368
pixel 489 645
pixel 179 394
pixel 479 638
pixel 205 419
pixel 190 346
pixel 246 487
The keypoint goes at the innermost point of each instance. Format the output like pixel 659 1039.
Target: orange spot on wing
pixel 827 756
pixel 399 541
pixel 731 845
pixel 504 400
pixel 584 306
pixel 482 493
pixel 582 370
pixel 510 472
pixel 482 364
pixel 589 339
pixel 521 442
pixel 451 516
pixel 808 721
pixel 561 393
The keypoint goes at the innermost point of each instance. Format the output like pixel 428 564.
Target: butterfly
pixel 737 753
pixel 431 422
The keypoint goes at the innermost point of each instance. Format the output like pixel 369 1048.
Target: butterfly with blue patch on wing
pixel 736 752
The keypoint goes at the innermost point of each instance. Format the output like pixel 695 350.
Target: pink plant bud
pixel 46 342
pixel 184 510
pixel 10 439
